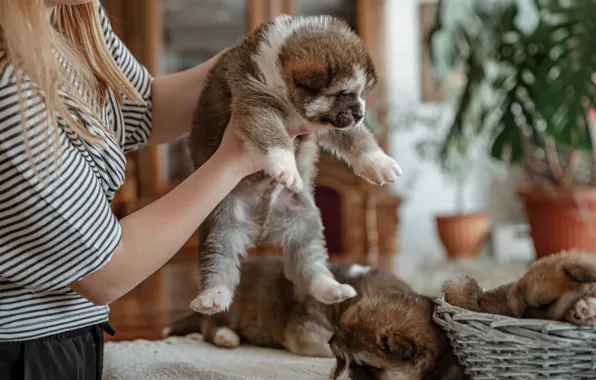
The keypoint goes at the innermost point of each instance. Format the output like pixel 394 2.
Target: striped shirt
pixel 57 230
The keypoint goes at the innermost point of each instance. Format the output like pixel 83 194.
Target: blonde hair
pixel 40 50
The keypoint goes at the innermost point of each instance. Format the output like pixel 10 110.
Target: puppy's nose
pixel 358 115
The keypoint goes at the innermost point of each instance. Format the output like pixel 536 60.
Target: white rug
pixel 189 358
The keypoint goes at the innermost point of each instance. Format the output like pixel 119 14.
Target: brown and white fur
pixel 392 337
pixel 293 73
pixel 268 311
pixel 559 287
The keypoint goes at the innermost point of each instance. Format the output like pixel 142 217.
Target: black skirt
pixel 72 355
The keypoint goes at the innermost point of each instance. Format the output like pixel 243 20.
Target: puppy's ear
pixel 516 302
pixel 579 272
pixel 313 80
pixel 398 348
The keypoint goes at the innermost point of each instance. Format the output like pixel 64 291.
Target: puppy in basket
pixel 386 332
pixel 559 287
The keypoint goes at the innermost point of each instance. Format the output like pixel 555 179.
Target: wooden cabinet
pixel 172 35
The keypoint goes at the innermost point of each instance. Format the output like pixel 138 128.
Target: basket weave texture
pixel 495 347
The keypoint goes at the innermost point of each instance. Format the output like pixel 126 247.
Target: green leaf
pixel 509 144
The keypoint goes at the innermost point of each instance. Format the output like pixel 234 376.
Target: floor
pixel 155 303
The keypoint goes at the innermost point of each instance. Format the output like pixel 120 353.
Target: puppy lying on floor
pixel 392 337
pixel 386 332
pixel 560 287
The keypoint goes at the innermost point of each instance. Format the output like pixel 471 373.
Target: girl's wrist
pixel 234 165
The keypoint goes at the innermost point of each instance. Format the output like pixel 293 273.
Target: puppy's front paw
pixel 376 167
pixel 583 313
pixel 281 165
pixel 328 291
pixel 212 300
pixel 226 338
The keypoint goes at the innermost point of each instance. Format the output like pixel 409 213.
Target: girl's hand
pixel 233 152
pixel 243 161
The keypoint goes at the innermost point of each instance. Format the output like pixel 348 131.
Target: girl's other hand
pixel 241 159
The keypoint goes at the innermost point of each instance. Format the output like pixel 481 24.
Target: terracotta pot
pixel 463 235
pixel 556 219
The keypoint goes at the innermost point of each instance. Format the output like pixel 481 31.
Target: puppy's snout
pixel 333 339
pixel 345 120
pixel 358 115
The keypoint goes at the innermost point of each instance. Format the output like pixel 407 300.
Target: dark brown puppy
pixel 560 287
pixel 269 311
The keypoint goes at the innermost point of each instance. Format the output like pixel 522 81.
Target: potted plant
pixel 529 71
pixel 463 232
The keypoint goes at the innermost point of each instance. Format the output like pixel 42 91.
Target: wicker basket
pixel 494 347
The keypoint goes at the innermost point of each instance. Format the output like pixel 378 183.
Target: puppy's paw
pixel 328 291
pixel 376 167
pixel 583 313
pixel 226 338
pixel 281 165
pixel 212 300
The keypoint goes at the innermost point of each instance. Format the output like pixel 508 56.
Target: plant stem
pixel 459 196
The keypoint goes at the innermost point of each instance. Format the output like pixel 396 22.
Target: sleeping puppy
pixel 392 337
pixel 269 311
pixel 559 287
pixel 291 75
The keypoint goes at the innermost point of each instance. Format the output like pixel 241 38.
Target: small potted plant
pixel 529 70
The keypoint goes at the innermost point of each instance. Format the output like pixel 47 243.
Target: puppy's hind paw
pixel 213 300
pixel 226 338
pixel 328 291
pixel 583 313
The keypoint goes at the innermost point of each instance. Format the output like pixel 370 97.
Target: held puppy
pixel 292 74
pixel 559 287
pixel 267 311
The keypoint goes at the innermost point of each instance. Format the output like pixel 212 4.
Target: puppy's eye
pixel 340 93
pixel 362 364
pixel 310 90
pixel 546 305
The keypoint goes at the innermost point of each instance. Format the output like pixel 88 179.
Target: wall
pixel 431 194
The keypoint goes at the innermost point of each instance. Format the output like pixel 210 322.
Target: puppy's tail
pixel 465 293
pixel 184 326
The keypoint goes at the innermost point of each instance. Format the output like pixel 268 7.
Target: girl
pixel 73 100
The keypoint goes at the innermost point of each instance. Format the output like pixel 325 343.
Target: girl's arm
pixel 174 98
pixel 152 235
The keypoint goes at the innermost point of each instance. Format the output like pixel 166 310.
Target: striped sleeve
pixel 53 230
pixel 137 118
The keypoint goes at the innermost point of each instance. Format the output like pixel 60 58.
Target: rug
pixel 190 358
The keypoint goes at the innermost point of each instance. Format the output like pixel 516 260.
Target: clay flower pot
pixel 463 235
pixel 561 220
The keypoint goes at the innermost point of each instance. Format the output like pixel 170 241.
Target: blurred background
pixel 485 104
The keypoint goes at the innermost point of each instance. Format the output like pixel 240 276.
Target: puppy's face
pixel 392 337
pixel 553 285
pixel 328 73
